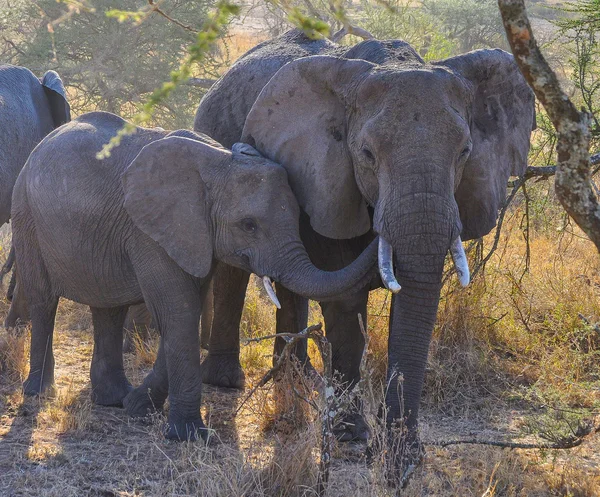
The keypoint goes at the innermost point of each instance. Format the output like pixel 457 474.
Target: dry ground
pixel 511 359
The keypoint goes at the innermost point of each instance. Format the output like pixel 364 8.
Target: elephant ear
pixel 502 118
pixel 57 98
pixel 166 198
pixel 299 120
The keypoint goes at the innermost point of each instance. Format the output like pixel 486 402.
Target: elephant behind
pixel 30 108
pixel 147 224
pixel 375 141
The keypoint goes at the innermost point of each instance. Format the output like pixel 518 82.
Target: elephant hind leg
pixel 109 383
pixel 19 311
pixel 41 356
pixel 35 289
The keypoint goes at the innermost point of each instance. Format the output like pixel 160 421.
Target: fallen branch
pixel 584 429
pixel 568 444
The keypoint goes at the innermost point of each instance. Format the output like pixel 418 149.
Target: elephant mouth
pixel 385 257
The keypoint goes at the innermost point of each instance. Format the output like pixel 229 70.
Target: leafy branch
pixel 207 36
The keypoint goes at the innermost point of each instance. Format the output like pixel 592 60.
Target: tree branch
pixel 351 30
pixel 200 82
pixel 573 181
pixel 155 8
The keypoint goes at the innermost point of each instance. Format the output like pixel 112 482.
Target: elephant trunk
pixel 427 227
pixel 301 276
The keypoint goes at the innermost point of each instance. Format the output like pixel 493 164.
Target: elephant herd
pixel 309 163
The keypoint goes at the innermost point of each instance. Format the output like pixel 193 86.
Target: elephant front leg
pixel 292 318
pixel 150 396
pixel 222 366
pixel 109 383
pixel 182 346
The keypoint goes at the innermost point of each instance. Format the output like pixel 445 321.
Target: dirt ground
pixel 66 446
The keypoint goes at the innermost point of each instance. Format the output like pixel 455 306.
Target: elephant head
pixel 199 201
pixel 429 147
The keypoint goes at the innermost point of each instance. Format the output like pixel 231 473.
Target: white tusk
pixel 386 266
pixel 270 292
pixel 460 261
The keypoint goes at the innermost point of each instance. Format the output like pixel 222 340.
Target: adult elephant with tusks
pixel 30 108
pixel 374 140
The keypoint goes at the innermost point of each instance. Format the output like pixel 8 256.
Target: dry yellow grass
pixel 510 359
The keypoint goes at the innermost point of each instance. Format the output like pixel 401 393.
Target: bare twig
pixel 351 30
pixel 155 8
pixel 291 340
pixel 200 82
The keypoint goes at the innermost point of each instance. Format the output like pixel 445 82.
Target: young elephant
pixel 146 224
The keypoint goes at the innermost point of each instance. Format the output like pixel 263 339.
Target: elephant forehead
pixel 412 84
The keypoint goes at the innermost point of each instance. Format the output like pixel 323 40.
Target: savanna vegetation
pixel 515 357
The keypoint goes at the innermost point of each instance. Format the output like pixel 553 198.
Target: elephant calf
pixel 147 224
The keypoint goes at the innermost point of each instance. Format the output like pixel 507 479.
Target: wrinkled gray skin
pixel 30 108
pixel 147 224
pixel 385 143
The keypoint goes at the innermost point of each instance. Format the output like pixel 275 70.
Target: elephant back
pixel 223 110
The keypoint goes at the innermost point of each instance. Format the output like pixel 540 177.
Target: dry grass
pixel 510 359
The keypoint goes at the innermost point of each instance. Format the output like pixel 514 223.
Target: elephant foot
pixel 188 430
pixel 223 370
pixel 141 401
pixel 352 428
pixel 35 385
pixel 111 393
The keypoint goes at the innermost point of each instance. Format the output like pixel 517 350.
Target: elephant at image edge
pixel 147 224
pixel 374 140
pixel 30 108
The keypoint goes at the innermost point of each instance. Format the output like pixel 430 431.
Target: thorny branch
pixel 155 8
pixel 573 181
pixel 333 405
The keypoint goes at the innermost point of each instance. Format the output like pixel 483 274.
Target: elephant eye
pixel 248 225
pixel 465 151
pixel 368 154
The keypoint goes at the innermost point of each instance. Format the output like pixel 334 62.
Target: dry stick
pixel 568 443
pixel 328 414
pixel 291 340
pixel 155 8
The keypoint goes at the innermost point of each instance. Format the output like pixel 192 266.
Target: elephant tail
pixel 10 261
